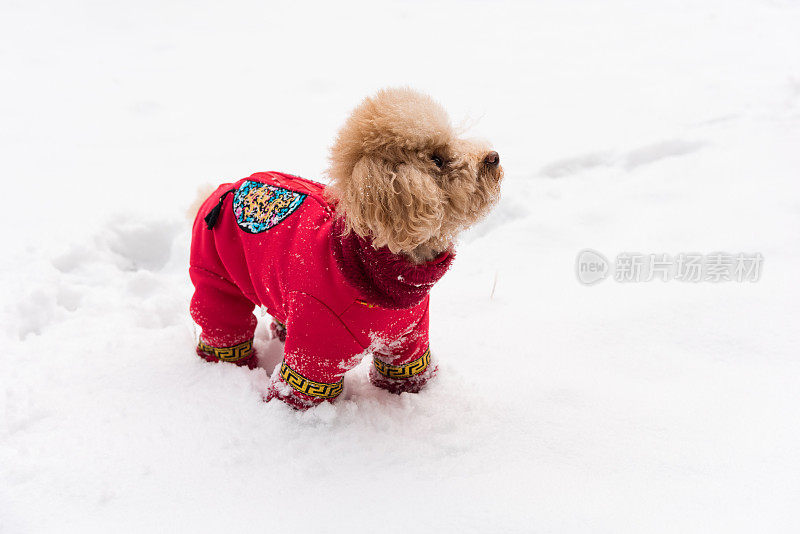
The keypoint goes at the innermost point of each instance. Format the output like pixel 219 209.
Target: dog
pixel 345 269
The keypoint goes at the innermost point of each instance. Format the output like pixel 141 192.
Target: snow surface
pixel 622 126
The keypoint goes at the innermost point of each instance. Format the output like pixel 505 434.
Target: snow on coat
pixel 273 240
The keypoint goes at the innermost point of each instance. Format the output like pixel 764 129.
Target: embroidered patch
pixel 259 207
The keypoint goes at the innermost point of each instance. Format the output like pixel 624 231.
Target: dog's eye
pixel 439 162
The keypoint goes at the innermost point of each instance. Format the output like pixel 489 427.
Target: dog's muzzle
pixel 492 159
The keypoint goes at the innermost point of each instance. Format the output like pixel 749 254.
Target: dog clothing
pixel 273 240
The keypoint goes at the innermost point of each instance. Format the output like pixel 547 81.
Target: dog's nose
pixel 492 159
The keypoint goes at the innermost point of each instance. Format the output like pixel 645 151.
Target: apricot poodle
pixel 345 269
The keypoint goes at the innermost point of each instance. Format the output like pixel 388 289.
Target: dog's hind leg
pixel 226 318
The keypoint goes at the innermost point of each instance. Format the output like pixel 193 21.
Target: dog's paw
pixel 279 389
pixel 242 355
pixel 412 384
pixel 278 330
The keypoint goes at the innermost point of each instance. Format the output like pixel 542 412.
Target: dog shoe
pixel 298 391
pixel 242 354
pixel 278 330
pixel 408 378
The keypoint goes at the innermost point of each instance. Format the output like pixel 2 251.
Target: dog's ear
pixel 396 204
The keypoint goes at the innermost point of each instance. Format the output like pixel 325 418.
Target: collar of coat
pixel 386 279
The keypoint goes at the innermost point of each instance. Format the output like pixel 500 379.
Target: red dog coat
pixel 273 240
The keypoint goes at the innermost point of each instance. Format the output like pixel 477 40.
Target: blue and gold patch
pixel 258 206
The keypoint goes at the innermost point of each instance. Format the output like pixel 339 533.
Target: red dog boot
pixel 299 392
pixel 242 354
pixel 407 378
pixel 278 330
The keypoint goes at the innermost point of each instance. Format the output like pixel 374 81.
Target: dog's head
pixel 401 175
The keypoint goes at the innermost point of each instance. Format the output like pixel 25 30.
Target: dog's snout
pixel 492 159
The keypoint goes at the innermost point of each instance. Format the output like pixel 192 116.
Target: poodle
pixel 345 270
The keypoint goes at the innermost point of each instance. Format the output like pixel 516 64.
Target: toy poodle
pixel 344 269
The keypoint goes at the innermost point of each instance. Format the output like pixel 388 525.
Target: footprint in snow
pixel 138 244
pixel 658 151
pixel 637 157
pixel 567 166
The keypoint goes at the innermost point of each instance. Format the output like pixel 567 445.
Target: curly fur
pixel 387 185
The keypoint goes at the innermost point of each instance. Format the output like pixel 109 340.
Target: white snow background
pixel 623 126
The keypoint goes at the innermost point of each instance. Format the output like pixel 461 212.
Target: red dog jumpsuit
pixel 273 240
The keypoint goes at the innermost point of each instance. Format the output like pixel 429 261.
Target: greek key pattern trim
pixel 309 387
pixel 229 354
pixel 403 371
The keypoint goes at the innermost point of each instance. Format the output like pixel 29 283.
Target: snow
pixel 622 127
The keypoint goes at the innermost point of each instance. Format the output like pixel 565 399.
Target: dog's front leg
pixel 319 350
pixel 402 374
pixel 405 365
